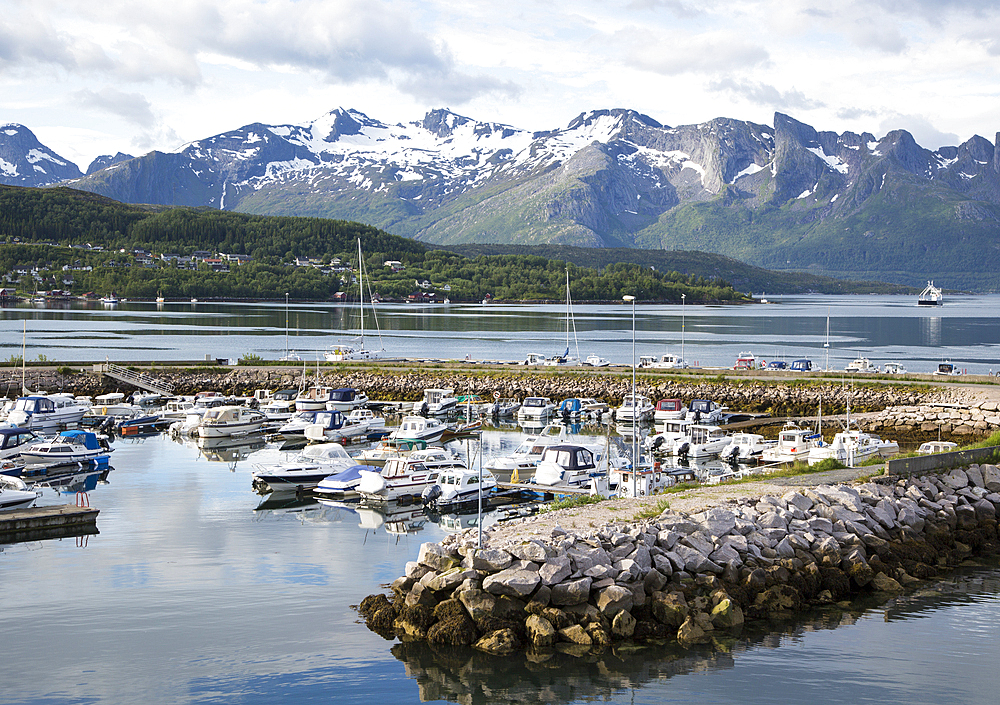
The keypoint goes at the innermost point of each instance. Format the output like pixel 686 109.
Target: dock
pixel 39 523
pixel 541 489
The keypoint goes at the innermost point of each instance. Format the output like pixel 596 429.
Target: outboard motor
pixel 684 449
pixel 430 494
pixel 657 443
pixel 733 456
pixel 423 409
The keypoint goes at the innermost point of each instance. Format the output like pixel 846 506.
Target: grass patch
pixel 580 500
pixel 651 511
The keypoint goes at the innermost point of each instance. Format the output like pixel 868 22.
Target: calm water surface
pixel 194 592
pixel 966 330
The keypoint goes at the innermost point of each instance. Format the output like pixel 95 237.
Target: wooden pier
pixel 38 523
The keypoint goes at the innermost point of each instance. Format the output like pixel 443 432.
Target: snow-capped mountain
pixel 24 161
pixel 782 196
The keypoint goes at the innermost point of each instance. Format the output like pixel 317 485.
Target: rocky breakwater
pixel 690 577
pixel 926 420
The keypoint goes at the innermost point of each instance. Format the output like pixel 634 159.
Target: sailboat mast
pixel 361 295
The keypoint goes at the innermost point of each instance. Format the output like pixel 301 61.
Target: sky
pixel 91 78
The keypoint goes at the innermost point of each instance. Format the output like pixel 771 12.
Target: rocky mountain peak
pixel 106 160
pixel 24 161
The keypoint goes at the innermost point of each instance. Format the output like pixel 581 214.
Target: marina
pixel 181 530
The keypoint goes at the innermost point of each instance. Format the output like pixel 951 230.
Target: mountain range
pixel 782 196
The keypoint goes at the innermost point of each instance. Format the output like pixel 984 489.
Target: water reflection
pixel 571 674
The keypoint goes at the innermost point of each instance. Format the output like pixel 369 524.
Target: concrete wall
pixel 925 463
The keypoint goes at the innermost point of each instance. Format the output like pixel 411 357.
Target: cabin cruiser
pixel 745 446
pixel 852 447
pixel 303 419
pixel 570 409
pixel 596 361
pixel 802 365
pixel 436 401
pixel 13 440
pixel 176 409
pixel 793 444
pixel 669 361
pixel 314 399
pixel 14 493
pixel 706 440
pixel 457 486
pixel 230 421
pixel 567 465
pixel 860 364
pixel 306 470
pixel 280 406
pixel 525 457
pixel 594 406
pixel 507 406
pixel 407 477
pixel 346 399
pixel 535 359
pixel 418 428
pixel 894 368
pixel 45 411
pixel 640 410
pixel 706 412
pixel 947 369
pixel 332 425
pixel 536 407
pixel 667 409
pixel 68 447
pixel 389 448
pixel 745 361
pixel 674 439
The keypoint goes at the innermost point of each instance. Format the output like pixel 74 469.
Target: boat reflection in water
pixel 229 450
pixel 569 673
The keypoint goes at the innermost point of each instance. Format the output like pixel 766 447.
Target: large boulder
pixel 571 592
pixel 727 614
pixel 614 599
pixel 514 582
pixel 490 560
pixel 436 556
pixel 669 608
pixel 499 643
pixel 540 631
pixel 555 570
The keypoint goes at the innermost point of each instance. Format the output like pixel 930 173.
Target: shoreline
pixel 581 580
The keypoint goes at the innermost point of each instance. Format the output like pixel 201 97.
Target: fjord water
pixel 965 330
pixel 193 592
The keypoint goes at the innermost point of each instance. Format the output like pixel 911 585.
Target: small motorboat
pixel 13 440
pixel 638 409
pixel 14 493
pixel 745 446
pixel 536 407
pixel 596 361
pixel 345 482
pixel 45 411
pixel 667 409
pixel 525 457
pixel 705 411
pixel 407 477
pixel 302 420
pixel 436 402
pixel 566 466
pixel 458 486
pixel 417 428
pixel 230 421
pixel 74 446
pixel 305 471
pixel 793 444
pixel 931 447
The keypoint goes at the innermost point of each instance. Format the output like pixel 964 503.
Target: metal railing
pixel 138 379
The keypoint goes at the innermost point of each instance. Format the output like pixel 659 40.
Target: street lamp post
pixel 635 431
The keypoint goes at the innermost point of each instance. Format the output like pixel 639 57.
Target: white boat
pixel 852 447
pixel 458 486
pixel 639 409
pixel 346 399
pixel 298 424
pixel 596 361
pixel 668 409
pixel 535 359
pixel 536 407
pixel 314 399
pixel 343 353
pixel 418 428
pixel 706 411
pixel 674 439
pixel 568 465
pixel 523 461
pixel 594 406
pixel 389 448
pixel 110 300
pixel 931 447
pixel 793 444
pixel 306 470
pixel 224 421
pixel 14 493
pixel 947 369
pixel 565 358
pixel 669 361
pixel 68 447
pixel 507 406
pixel 436 401
pixel 894 368
pixel 931 296
pixel 332 425
pixel 862 365
pixel 706 441
pixel 280 406
pixel 745 446
pixel 13 440
pixel 745 361
pixel 45 411
pixel 407 477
